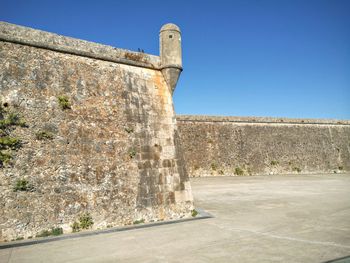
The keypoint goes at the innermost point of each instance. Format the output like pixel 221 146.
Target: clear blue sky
pixel 243 58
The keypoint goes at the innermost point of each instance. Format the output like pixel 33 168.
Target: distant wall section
pixel 249 146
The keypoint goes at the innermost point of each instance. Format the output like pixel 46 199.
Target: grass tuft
pixel 238 171
pixel 85 221
pixel 64 103
pixel 23 185
pixel 141 221
pixel 194 213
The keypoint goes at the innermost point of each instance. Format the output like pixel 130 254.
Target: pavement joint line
pixel 201 215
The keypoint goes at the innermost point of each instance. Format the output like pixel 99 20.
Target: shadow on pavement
pixel 339 260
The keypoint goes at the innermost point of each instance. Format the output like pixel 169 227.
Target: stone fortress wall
pixel 215 146
pixel 87 130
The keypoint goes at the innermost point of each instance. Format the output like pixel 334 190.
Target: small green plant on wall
pixel 23 185
pixel 75 227
pixel 194 213
pixel 64 103
pixel 11 119
pixel 55 231
pixel 273 163
pixel 5 158
pixel 141 221
pixel 8 144
pixel 44 135
pixel 238 171
pixel 132 153
pixel 214 166
pixel 296 169
pixel 85 221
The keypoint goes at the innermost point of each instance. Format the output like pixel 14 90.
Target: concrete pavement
pixel 257 219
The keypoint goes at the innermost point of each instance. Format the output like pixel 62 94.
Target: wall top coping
pixel 42 39
pixel 250 120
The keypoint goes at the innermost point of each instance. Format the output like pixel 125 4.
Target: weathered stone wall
pixel 113 153
pixel 233 145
